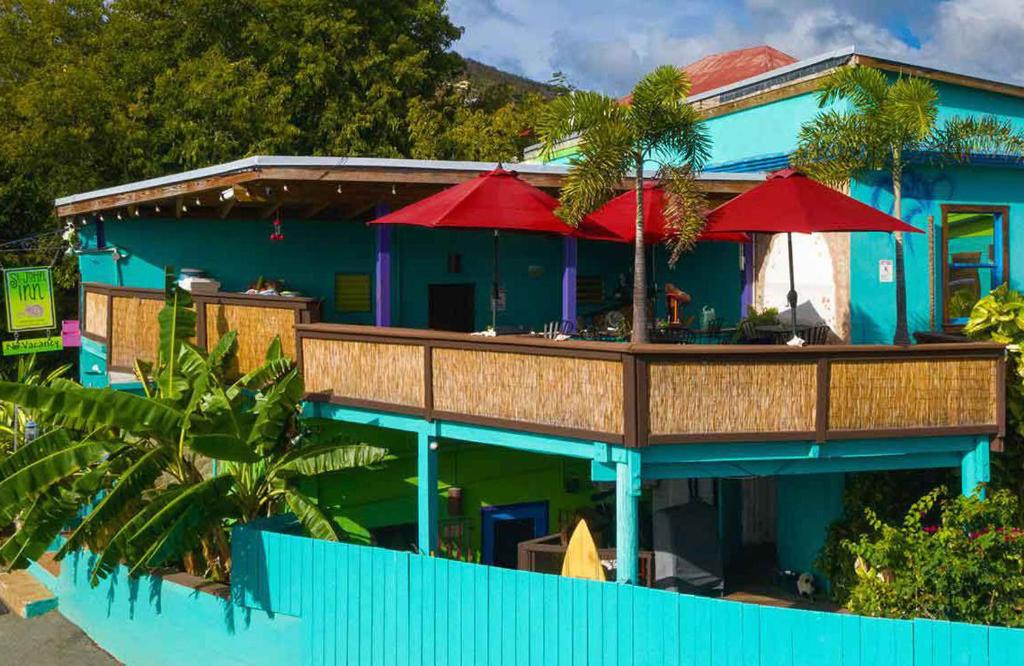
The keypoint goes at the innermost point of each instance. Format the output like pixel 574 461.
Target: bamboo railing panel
pixel 256 326
pixel 134 331
pixel 895 394
pixel 576 393
pixel 368 372
pixel 728 397
pixel 96 315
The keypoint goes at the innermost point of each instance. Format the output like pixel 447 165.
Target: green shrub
pixel 958 559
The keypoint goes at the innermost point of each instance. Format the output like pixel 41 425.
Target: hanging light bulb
pixel 119 215
pixel 184 208
pixel 100 216
pixel 198 202
pixel 394 190
pixel 339 189
pixel 156 208
pixel 285 187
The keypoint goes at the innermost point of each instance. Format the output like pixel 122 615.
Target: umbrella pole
pixel 791 296
pixel 495 288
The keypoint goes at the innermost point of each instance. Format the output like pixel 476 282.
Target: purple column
pixel 382 275
pixel 569 279
pixel 747 295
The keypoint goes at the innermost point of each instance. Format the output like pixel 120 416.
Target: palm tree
pixel 882 124
pixel 616 140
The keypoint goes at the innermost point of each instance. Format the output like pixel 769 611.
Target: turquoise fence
pixel 362 605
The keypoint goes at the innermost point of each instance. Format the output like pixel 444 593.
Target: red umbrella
pixel 789 202
pixel 497 200
pixel 616 220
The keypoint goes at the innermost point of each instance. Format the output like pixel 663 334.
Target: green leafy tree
pixel 150 455
pixel 872 122
pixel 959 559
pixel 616 141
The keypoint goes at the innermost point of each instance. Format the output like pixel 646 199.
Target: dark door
pixel 505 526
pixel 450 307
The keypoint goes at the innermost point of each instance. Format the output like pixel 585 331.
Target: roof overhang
pixel 310 186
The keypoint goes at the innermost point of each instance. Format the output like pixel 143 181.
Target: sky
pixel 607 45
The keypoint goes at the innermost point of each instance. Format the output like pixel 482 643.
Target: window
pixel 590 290
pixel 974 257
pixel 352 292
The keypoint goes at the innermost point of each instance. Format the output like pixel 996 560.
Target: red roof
pixel 721 69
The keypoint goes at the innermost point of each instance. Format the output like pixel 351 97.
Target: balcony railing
pixel 125 320
pixel 639 395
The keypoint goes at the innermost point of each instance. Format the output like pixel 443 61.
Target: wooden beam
pixel 945 77
pixel 270 209
pixel 314 209
pixel 179 206
pixel 155 194
pixel 226 207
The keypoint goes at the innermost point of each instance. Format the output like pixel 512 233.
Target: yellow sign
pixel 28 293
pixel 32 346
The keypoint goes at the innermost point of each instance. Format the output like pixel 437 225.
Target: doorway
pixel 451 307
pixel 504 527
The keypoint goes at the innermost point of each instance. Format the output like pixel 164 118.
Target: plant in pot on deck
pixel 150 455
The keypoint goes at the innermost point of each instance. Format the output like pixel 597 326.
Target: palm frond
pixel 836 145
pixel 912 107
pixel 961 137
pixel 567 116
pixel 866 88
pixel 605 155
pixel 686 206
pixel 663 87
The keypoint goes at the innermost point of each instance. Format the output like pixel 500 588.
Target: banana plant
pixel 148 454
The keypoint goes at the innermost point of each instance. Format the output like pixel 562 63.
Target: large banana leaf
pixel 40 526
pixel 174 529
pixel 223 352
pixel 259 377
pixel 317 523
pixel 117 549
pixel 88 409
pixel 223 447
pixel 44 445
pixel 275 409
pixel 32 479
pixel 126 490
pixel 329 458
pixel 177 324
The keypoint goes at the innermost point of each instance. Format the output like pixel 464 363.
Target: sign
pixel 70 334
pixel 885 270
pixel 28 293
pixel 32 346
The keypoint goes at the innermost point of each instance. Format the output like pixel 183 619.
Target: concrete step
pixel 24 595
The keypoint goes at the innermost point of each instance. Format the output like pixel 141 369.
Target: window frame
pixel 1001 227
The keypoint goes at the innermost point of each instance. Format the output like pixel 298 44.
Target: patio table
pixel 779 333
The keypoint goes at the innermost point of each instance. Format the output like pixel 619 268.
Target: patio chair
pixel 817 335
pixel 558 327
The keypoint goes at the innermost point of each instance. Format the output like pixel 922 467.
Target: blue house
pixel 705 454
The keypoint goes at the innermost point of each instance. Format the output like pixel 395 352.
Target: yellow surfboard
pixel 581 558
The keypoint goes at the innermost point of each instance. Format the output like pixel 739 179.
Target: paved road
pixel 49 640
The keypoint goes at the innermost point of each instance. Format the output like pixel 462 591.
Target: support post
pixel 974 469
pixel 747 268
pixel 382 274
pixel 426 493
pixel 569 256
pixel 627 532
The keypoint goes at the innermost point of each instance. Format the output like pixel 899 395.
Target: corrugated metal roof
pixel 721 69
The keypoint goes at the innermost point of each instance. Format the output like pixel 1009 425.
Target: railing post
pixel 974 469
pixel 627 533
pixel 569 255
pixel 382 274
pixel 426 492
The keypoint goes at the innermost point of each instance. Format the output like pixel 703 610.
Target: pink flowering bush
pixel 952 558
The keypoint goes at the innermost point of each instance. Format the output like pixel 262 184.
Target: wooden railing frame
pixel 636 361
pixel 307 310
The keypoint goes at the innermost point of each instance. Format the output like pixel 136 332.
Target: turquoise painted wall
pixel 149 621
pixel 873 313
pixel 236 252
pixel 806 505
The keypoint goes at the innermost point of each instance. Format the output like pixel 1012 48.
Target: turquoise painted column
pixel 426 493
pixel 974 468
pixel 627 531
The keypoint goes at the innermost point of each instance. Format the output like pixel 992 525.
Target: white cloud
pixel 608 44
